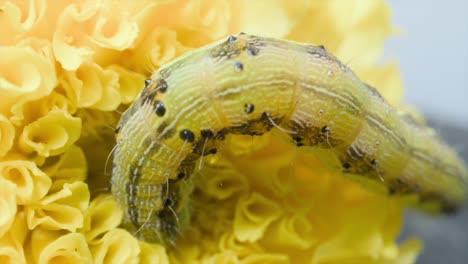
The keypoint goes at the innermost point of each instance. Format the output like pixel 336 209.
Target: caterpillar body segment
pixel 247 85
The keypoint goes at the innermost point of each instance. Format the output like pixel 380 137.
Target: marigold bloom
pixel 69 68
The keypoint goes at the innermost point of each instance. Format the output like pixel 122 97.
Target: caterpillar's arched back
pixel 247 85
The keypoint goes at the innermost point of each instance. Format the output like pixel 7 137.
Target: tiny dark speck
pixel 160 109
pixel 187 135
pixel 161 214
pixel 252 51
pixel 249 108
pixel 162 86
pixel 238 66
pixel 322 47
pixel 213 151
pixel 147 82
pixel 167 202
pixel 206 133
pixel 231 39
pixel 325 129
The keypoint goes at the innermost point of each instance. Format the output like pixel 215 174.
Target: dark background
pixel 445 237
pixel 432 49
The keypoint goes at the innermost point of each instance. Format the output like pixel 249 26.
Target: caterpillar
pixel 248 84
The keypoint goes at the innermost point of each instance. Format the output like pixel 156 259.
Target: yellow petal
pixel 52 134
pixel 7 135
pixel 102 215
pixel 153 253
pixel 265 17
pixel 33 77
pixel 8 205
pixel 61 210
pixel 56 247
pixel 11 244
pixel 91 86
pixel 130 83
pixel 71 166
pixel 116 246
pixel 253 215
pixel 31 183
pixel 69 40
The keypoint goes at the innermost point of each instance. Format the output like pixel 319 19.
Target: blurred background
pixel 433 53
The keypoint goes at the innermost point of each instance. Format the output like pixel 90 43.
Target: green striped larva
pixel 246 85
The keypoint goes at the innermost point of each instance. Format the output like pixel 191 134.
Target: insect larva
pixel 247 85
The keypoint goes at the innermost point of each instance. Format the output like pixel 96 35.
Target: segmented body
pixel 247 85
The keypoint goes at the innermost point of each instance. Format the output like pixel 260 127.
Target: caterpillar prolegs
pixel 247 85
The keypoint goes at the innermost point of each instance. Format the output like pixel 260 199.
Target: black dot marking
pixel 117 130
pixel 207 133
pixel 162 86
pixel 147 82
pixel 160 109
pixel 167 202
pixel 249 108
pixel 252 51
pixel 221 135
pixel 298 141
pixel 232 39
pixel 325 129
pixel 297 138
pixel 213 151
pixel 374 162
pixel 346 165
pixel 181 175
pixel 238 66
pixel 322 47
pixel 187 135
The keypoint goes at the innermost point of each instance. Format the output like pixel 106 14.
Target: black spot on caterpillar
pixel 248 85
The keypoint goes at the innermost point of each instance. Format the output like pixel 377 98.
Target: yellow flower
pixel 32 77
pixel 7 134
pixel 69 68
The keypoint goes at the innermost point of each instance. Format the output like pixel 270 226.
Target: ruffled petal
pixel 153 254
pixel 33 77
pixel 57 247
pixel 116 246
pixel 52 134
pixel 102 216
pixel 7 135
pixel 61 210
pixel 130 83
pixel 253 215
pixel 8 205
pixel 91 86
pixel 70 167
pixel 11 244
pixel 31 183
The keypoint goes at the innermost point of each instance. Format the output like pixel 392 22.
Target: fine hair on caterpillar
pixel 247 85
